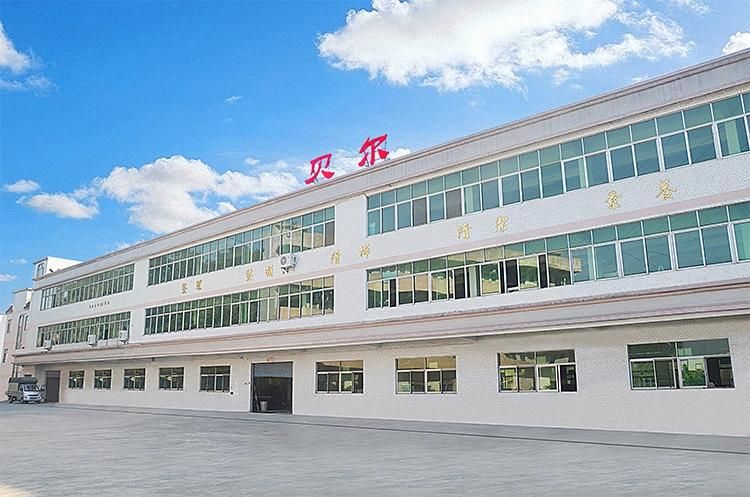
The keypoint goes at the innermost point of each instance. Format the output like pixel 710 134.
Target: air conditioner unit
pixel 92 340
pixel 288 262
pixel 47 345
pixel 123 337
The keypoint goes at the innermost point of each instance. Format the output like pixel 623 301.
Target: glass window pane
pixel 439 286
pixel 373 201
pixel 410 363
pixel 509 166
pixel 388 198
pixel 469 176
pixel 716 245
pixel 606 261
pixel 571 149
pixel 629 230
pixel 688 247
pixel 582 264
pixel 419 211
pixel 529 272
pixel 552 182
pixel 719 372
pixel 703 347
pixel 742 237
pixel 403 194
pixel 419 189
pixel 714 215
pixel 633 257
pixel 417 381
pixel 657 253
pixel 674 149
pixel 646 350
pixel 693 373
pixel 437 207
pixel 683 221
pixel 665 373
pixel 733 137
pixel 568 380
pixel 558 266
pixel 530 184
pixel 646 157
pixel 452 181
pixel 596 167
pixel 490 194
pixel 669 123
pixel 575 175
pixel 606 234
pixel 511 190
pixel 404 382
pixel 555 356
pixel 701 142
pixel 728 107
pixel 547 378
pixel 453 204
pixel 697 116
pixel 594 143
pixel 405 290
pixel 421 288
pixel 435 185
pixel 389 220
pixel 644 130
pixel 508 380
pixel 622 163
pixel 549 155
pixel 618 137
pixel 528 160
pixel 404 215
pixel 490 279
pixel 738 212
pixel 472 199
pixel 526 379
pixel 489 171
pixel 642 374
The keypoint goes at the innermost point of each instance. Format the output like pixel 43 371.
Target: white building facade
pixel 586 267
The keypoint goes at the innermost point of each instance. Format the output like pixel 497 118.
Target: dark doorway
pixel 272 387
pixel 52 386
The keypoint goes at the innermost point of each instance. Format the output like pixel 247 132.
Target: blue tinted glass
pixel 511 190
pixel 669 123
pixel 572 149
pixel 646 157
pixel 606 261
pixel 697 116
pixel 633 257
pixel 675 150
pixel 530 184
pixel 508 166
pixel 657 253
pixel 552 182
pixel 549 155
pixel 596 167
pixel 644 130
pixel 528 160
pixel 729 107
pixel 594 143
pixel 701 142
pixel 622 163
pixel 688 247
pixel 618 137
pixel 575 174
pixel 716 245
pixel 437 207
pixel 490 195
pixel 733 137
pixel 389 219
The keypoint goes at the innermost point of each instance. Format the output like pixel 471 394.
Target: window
pixel 426 374
pixel 104 327
pixel 103 379
pixel 75 380
pixel 171 378
pixel 340 377
pixel 5 355
pixel 134 379
pixel 549 371
pixel 97 285
pixel 215 378
pixel 688 364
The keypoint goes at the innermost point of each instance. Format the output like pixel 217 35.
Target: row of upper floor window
pixel 297 234
pixel 685 137
pixel 104 327
pixel 717 235
pixel 90 287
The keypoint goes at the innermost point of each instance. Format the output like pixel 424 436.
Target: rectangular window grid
pixel 340 377
pixel 91 287
pixel 102 379
pixel 215 378
pixel 426 375
pixel 134 379
pixel 297 234
pixel 546 371
pixel 306 298
pixel 171 378
pixel 75 380
pixel 717 235
pixel 688 364
pixel 718 129
pixel 104 327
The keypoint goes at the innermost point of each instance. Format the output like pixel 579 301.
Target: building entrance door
pixel 272 387
pixel 52 386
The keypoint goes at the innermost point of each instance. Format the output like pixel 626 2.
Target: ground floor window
pixel 103 379
pixel 215 378
pixel 171 378
pixel 426 374
pixel 75 380
pixel 549 371
pixel 340 376
pixel 134 379
pixel 689 364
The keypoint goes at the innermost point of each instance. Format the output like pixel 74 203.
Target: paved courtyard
pixel 62 450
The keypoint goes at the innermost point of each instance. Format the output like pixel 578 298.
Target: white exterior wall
pixel 604 399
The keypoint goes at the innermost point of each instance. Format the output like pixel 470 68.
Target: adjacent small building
pixel 586 267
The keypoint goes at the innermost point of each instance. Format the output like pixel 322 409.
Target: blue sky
pixel 124 120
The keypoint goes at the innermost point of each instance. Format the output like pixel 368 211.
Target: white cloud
pixel 174 192
pixel 17 64
pixel 639 78
pixel 695 6
pixel 18 262
pixel 458 44
pixel 10 58
pixel 22 186
pixel 233 99
pixel 7 277
pixel 251 161
pixel 62 205
pixel 738 41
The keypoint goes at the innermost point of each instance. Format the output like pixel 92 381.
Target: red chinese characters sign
pixel 372 150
